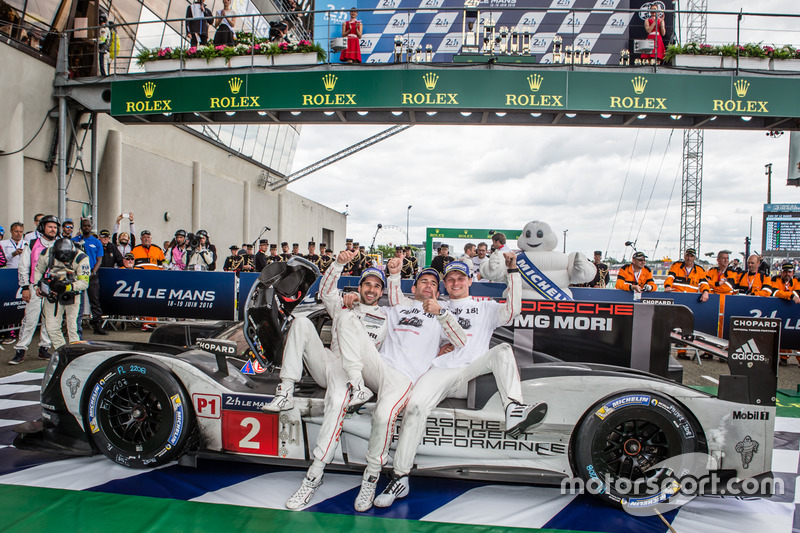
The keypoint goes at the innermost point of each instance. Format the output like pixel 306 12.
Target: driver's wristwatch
pixel 442 311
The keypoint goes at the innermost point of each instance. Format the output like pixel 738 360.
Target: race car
pixel 630 436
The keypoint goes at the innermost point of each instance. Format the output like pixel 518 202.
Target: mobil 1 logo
pixel 753 352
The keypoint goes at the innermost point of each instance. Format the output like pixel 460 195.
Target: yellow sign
pixel 325 99
pixel 535 82
pixel 430 80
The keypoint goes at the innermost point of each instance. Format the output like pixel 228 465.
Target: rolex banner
pixel 753 352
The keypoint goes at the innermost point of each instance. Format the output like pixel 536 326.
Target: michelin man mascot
pixel 546 272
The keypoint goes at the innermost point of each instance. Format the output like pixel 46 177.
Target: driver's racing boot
pixel 282 401
pixel 520 417
pixel 366 495
pixel 397 488
pixel 359 395
pixel 303 495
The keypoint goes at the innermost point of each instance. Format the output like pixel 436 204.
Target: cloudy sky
pixel 503 177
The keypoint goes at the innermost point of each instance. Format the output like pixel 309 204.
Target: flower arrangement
pixel 244 48
pixel 758 50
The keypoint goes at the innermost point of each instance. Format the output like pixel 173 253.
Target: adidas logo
pixel 748 352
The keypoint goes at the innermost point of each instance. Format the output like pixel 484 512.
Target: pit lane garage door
pixel 41 492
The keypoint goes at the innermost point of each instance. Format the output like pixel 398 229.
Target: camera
pixel 192 241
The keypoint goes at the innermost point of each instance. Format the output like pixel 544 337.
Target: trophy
pixel 418 54
pixel 410 53
pixel 637 62
pixel 513 43
pixel 503 40
pixel 469 29
pixel 586 54
pixel 428 53
pixel 488 36
pixel 557 49
pixel 398 49
pixel 624 57
pixel 568 54
pixel 526 43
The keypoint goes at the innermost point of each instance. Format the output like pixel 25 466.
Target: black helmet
pixel 45 219
pixel 64 250
pixel 180 233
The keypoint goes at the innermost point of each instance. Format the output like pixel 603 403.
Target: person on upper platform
pixel 721 279
pixel 352 30
pixel 636 276
pixel 685 276
pixel 656 30
pixel 753 282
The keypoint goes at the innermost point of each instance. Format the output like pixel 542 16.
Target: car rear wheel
pixel 631 447
pixel 138 414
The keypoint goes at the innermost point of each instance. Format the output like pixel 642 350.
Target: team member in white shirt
pixel 303 345
pixel 451 372
pixel 415 331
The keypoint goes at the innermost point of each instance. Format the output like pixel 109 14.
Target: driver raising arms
pixel 451 372
pixel 303 345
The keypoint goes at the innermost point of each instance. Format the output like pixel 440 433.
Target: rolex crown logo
pixel 149 88
pixel 639 83
pixel 535 82
pixel 741 87
pixel 430 80
pixel 235 84
pixel 329 81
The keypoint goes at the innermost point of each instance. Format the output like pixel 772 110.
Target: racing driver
pixel 303 345
pixel 451 372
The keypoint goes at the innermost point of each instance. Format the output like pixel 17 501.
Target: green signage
pixel 534 89
pixel 475 235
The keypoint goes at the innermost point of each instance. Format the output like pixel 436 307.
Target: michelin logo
pixel 625 401
pixel 748 352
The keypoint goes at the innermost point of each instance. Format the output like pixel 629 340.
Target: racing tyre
pixel 631 447
pixel 138 414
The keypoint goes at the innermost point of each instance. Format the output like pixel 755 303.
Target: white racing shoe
pixel 359 395
pixel 282 401
pixel 367 493
pixel 397 488
pixel 303 496
pixel 520 417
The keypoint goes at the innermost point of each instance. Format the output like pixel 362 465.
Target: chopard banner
pixel 164 293
pixel 536 280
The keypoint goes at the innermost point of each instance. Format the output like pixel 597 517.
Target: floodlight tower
pixel 692 177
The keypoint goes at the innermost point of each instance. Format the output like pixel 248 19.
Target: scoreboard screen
pixel 781 227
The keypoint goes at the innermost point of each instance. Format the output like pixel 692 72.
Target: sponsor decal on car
pixel 482 434
pixel 748 352
pixel 624 401
pixel 253 367
pixel 243 402
pixel 650 501
pixel 750 415
pixel 98 388
pixel 177 426
pixel 747 448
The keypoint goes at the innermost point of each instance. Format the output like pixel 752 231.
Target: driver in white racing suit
pixel 303 345
pixel 451 372
pixel 414 334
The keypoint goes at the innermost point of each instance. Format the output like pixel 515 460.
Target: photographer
pixel 176 255
pixel 62 273
pixel 198 256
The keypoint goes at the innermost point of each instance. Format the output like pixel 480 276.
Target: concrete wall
pixel 150 171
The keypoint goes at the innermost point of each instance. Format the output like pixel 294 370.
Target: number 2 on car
pixel 250 432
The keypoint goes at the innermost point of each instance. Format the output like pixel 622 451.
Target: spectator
pixel 786 286
pixel 35 234
pixel 176 253
pixel 285 255
pixel 754 282
pixel 262 259
pixel 686 276
pixel 278 30
pixel 295 249
pixel 602 277
pixel 348 245
pixel 93 248
pixel 470 253
pixel 165 246
pixel 130 237
pixel 66 228
pixel 233 263
pixel 206 241
pixel 128 260
pixel 273 254
pixel 440 261
pixel 410 256
pixel 721 279
pixel 103 42
pixel 198 16
pixel 636 276
pixel 249 263
pixel 111 256
pixel 147 255
pixel 12 247
pixel 406 269
pixel 735 267
pixel 352 31
pixel 763 266
pixel 225 25
pixel 312 253
pixel 325 257
pixel 243 249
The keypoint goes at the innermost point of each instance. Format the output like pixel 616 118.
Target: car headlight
pixel 51 369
